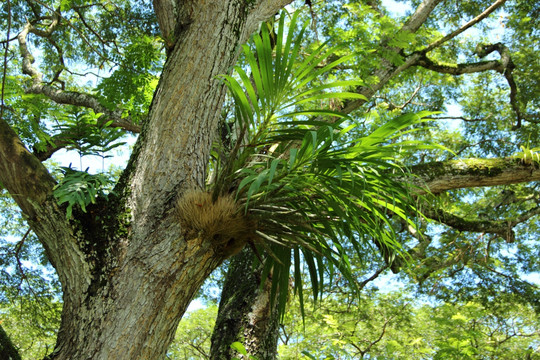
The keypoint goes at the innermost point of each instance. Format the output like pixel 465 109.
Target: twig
pixel 18 248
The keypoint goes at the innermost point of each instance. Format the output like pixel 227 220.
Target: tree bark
pixel 129 267
pixel 246 313
pixel 437 177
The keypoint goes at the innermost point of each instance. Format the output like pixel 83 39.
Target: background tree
pixel 393 325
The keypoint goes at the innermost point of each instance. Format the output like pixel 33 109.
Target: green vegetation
pixel 357 143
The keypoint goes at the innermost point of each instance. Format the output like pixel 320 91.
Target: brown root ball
pixel 222 221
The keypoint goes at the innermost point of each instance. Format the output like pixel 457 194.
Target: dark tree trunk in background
pixel 246 313
pixel 7 349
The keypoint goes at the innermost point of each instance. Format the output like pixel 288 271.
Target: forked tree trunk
pixel 129 267
pixel 246 313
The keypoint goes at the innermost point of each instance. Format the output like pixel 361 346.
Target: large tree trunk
pixel 129 267
pixel 246 312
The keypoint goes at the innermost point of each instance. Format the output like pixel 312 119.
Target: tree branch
pixel 420 15
pixel 6 52
pixel 167 16
pixel 460 69
pixel 31 186
pixel 87 101
pixel 262 11
pixel 436 177
pixel 502 228
pixel 21 173
pixel 504 66
pixel 471 23
pixel 66 97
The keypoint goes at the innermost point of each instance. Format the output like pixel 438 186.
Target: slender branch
pixel 84 74
pixel 83 20
pixel 456 118
pixel 510 277
pixel 392 106
pixel 18 248
pixel 4 73
pixel 372 277
pixel 8 40
pixel 381 335
pixel 471 23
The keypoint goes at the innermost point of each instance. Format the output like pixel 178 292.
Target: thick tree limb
pixel 167 16
pixel 262 11
pixel 31 186
pixel 87 101
pixel 420 15
pixel 21 173
pixel 460 69
pixel 437 177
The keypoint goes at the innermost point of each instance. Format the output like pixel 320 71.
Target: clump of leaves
pixel 313 188
pixel 80 188
pixel 88 135
pixel 528 155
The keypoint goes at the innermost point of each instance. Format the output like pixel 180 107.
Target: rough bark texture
pixel 245 313
pixel 128 268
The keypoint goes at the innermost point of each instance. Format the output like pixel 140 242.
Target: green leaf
pixel 238 346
